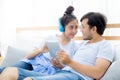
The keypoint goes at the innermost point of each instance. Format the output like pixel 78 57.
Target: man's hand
pixel 56 63
pixel 63 57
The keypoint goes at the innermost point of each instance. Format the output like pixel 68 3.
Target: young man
pixel 90 61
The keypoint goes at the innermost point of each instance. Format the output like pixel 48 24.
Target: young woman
pixel 38 60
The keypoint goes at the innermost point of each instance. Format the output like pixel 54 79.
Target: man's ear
pixel 95 29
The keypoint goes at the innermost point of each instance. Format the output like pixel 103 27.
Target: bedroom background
pixel 17 14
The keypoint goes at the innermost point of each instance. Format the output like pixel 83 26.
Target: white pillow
pixel 117 52
pixel 13 55
pixel 113 72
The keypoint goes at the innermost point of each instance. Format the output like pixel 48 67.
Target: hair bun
pixel 69 10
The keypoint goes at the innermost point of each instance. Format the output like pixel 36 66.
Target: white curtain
pixel 7 21
pixel 29 13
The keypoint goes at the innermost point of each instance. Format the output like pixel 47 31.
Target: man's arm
pixel 96 71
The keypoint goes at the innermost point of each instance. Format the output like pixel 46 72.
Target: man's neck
pixel 96 38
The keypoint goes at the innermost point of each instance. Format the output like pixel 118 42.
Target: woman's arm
pixel 37 51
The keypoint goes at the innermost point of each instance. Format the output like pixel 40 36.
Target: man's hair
pixel 96 19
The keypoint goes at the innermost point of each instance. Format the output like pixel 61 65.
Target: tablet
pixel 53 47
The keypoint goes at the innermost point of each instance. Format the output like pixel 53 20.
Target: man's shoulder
pixel 106 43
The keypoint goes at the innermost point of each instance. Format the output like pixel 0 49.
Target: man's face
pixel 85 29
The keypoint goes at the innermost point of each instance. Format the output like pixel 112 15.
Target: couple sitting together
pixel 85 61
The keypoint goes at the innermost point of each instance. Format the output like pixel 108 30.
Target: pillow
pixel 13 55
pixel 113 72
pixel 117 52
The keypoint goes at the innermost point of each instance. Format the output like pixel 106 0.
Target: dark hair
pixel 68 16
pixel 96 19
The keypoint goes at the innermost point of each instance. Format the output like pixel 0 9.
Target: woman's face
pixel 71 29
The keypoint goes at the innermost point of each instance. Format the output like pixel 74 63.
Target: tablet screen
pixel 53 47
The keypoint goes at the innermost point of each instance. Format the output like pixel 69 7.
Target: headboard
pixel 107 36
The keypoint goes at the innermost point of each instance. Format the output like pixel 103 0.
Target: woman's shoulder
pixel 51 37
